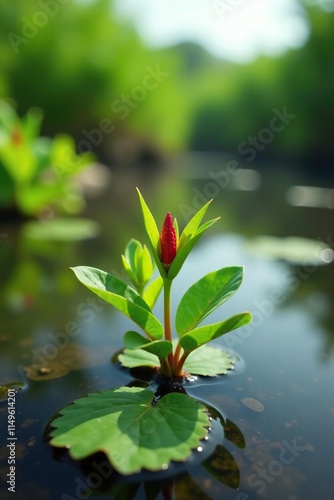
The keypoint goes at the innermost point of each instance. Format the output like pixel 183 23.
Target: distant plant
pixel 133 426
pixel 37 172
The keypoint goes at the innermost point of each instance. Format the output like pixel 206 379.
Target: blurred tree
pixel 81 65
pixel 94 78
pixel 300 82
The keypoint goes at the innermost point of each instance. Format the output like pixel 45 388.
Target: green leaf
pixel 128 269
pixel 129 254
pixel 7 187
pixel 176 227
pixel 193 225
pixel 32 122
pixel 19 160
pixel 133 358
pixel 161 348
pixel 199 362
pixel 138 264
pixel 121 296
pixel 152 231
pixel 132 432
pixel 144 265
pixel 152 292
pixel 204 296
pixel 200 336
pixel 32 198
pixel 150 224
pixel 186 249
pixel 64 159
pixel 208 361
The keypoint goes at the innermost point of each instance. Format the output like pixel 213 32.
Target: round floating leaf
pixel 208 361
pixel 132 358
pixel 133 434
pixel 121 296
pixel 13 387
pixel 204 296
pixel 61 229
pixel 294 249
pixel 161 348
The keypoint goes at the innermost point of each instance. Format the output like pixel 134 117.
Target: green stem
pixel 167 321
pixel 140 289
pixel 167 290
pixel 165 368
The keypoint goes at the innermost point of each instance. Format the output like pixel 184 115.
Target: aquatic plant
pixel 135 427
pixel 37 172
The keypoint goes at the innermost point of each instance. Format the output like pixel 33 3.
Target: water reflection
pixel 310 196
pixel 287 353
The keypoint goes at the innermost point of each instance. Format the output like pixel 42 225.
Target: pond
pixel 276 405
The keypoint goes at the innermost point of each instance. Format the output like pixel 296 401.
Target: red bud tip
pixel 168 241
pixel 17 138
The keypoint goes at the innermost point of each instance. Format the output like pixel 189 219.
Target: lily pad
pixel 133 433
pixel 4 389
pixel 294 250
pixel 206 360
pixel 133 358
pixel 62 229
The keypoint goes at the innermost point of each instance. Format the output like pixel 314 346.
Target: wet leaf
pixel 132 433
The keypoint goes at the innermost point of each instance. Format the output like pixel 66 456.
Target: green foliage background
pixel 85 57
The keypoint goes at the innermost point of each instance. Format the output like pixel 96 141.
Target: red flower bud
pixel 17 138
pixel 168 241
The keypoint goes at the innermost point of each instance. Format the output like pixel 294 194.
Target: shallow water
pixel 277 404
